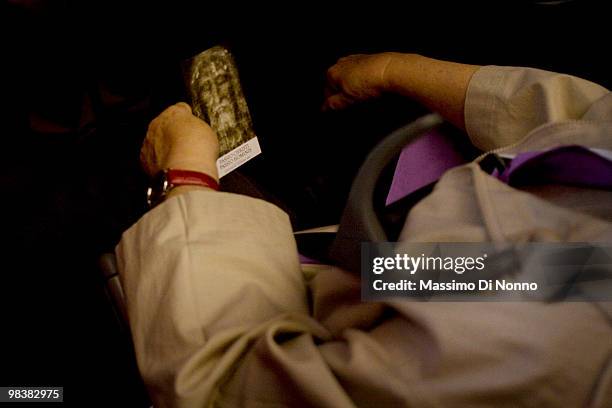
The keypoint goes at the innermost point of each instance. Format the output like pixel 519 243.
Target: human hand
pixel 177 139
pixel 357 78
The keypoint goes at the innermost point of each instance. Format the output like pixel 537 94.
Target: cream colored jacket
pixel 222 315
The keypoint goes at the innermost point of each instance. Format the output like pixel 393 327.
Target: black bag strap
pixel 359 222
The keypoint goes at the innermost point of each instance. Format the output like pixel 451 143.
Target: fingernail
pixel 184 105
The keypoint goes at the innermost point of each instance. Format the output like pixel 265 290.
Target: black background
pixel 82 81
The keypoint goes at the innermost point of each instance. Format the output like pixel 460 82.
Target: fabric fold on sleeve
pixel 504 104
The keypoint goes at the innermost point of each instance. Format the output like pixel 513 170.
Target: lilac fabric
pixel 306 260
pixel 574 165
pixel 422 163
pixel 425 160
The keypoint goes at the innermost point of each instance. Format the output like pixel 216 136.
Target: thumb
pixel 337 102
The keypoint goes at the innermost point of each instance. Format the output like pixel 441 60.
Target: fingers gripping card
pixel 217 98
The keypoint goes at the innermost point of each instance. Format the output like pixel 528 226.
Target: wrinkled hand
pixel 177 139
pixel 356 78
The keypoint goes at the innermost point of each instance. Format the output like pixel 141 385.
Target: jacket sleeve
pixel 220 316
pixel 504 104
pixel 206 274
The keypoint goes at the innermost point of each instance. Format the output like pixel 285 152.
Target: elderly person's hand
pixel 357 78
pixel 438 85
pixel 179 140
